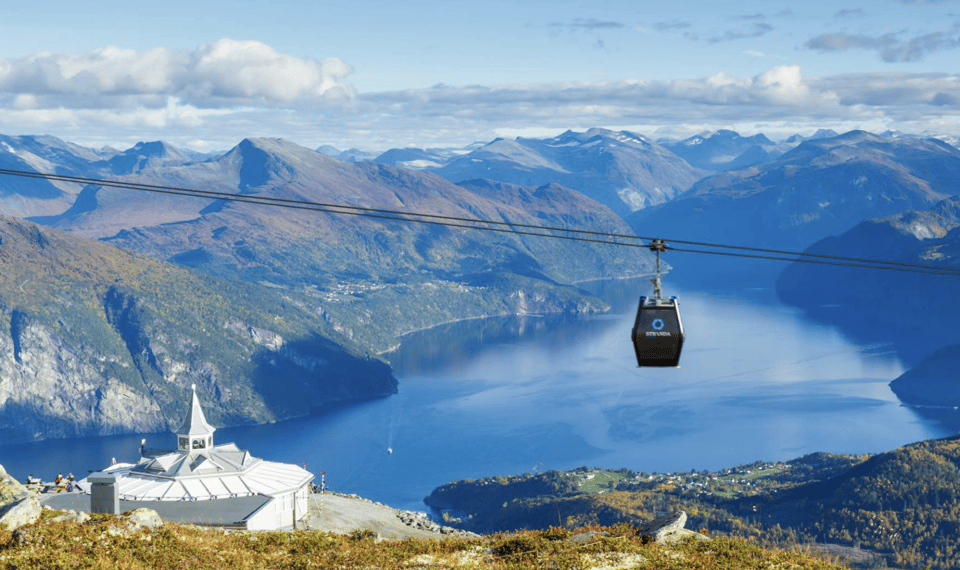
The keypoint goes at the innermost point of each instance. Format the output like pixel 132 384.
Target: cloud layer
pixel 890 47
pixel 220 93
pixel 227 72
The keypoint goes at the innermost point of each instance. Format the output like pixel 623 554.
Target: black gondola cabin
pixel 658 332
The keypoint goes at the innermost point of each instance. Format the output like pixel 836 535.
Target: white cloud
pixel 784 84
pixel 889 46
pixel 250 69
pixel 892 91
pixel 221 93
pixel 778 96
pixel 224 72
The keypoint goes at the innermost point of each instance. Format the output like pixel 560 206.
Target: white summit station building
pixel 203 483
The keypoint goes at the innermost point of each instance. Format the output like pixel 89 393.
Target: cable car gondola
pixel 658 332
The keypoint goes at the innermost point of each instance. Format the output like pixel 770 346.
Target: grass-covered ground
pixel 599 481
pixel 900 508
pixel 55 545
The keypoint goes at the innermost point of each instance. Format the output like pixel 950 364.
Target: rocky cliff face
pixel 95 340
pixel 52 389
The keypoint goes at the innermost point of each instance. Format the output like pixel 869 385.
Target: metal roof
pixel 221 460
pixel 201 474
pixel 195 477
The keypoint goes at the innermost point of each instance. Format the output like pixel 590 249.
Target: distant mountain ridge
pixel 143 156
pixel 168 227
pixel 822 187
pixel 29 197
pixel 323 246
pixel 340 288
pixel 622 170
pixel 423 159
pixel 351 155
pixel 725 150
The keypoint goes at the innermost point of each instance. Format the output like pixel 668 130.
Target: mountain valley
pixel 361 282
pixel 311 297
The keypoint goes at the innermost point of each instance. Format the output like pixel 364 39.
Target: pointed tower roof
pixel 195 424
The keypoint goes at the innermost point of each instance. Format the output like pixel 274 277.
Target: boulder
pixel 18 506
pixel 138 519
pixel 19 513
pixel 10 489
pixel 668 528
pixel 681 534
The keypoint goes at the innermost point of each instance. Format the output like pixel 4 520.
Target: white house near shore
pixel 204 483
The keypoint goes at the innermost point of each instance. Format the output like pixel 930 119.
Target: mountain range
pixel 727 150
pixel 803 188
pixel 820 188
pixel 621 170
pixel 916 313
pixel 368 280
pixel 388 260
pixel 334 280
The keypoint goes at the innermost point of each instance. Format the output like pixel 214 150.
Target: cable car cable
pixel 946 271
pixel 228 196
pixel 805 254
pixel 269 199
pixel 432 219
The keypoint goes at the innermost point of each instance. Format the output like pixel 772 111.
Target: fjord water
pixel 510 395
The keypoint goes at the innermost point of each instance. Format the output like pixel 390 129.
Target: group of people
pixel 61 483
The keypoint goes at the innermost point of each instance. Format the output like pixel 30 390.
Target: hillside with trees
pixel 900 507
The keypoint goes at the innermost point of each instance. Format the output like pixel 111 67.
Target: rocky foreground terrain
pixel 351 532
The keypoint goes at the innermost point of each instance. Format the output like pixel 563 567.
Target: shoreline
pixel 500 315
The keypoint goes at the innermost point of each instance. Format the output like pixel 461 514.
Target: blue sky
pixel 376 75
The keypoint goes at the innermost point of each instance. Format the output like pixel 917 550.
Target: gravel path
pixel 343 514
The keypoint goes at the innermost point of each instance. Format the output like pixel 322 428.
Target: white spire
pixel 196 426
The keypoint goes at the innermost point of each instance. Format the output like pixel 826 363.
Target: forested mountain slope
pixel 902 506
pixel 98 340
